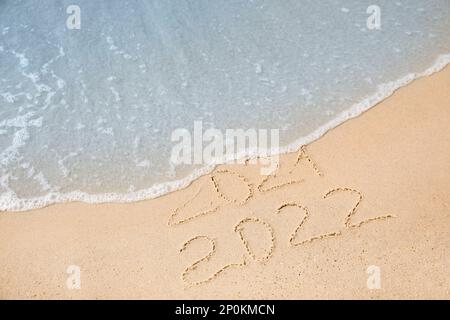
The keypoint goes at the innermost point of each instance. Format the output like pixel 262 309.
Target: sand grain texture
pixel 374 191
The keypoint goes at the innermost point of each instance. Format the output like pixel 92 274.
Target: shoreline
pixel 360 213
pixel 384 91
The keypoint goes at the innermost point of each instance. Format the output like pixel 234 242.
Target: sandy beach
pixel 361 213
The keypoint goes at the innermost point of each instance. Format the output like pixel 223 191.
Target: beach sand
pixel 365 213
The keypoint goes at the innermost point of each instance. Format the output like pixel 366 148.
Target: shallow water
pixel 88 114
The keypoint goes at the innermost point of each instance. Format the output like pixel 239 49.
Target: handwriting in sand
pixel 275 182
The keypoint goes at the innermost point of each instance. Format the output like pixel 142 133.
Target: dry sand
pixel 297 235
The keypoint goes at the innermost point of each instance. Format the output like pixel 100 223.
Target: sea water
pixel 87 113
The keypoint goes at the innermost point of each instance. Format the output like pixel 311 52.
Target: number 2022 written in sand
pixel 264 226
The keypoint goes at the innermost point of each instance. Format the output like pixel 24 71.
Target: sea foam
pixel 87 115
pixel 10 202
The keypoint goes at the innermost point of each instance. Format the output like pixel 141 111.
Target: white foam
pixel 116 50
pixel 10 202
pixel 383 91
pixel 23 61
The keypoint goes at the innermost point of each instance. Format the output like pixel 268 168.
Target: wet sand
pixel 363 212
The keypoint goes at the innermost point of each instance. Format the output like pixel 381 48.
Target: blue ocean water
pixel 87 114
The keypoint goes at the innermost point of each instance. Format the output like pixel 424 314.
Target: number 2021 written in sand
pixel 276 181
